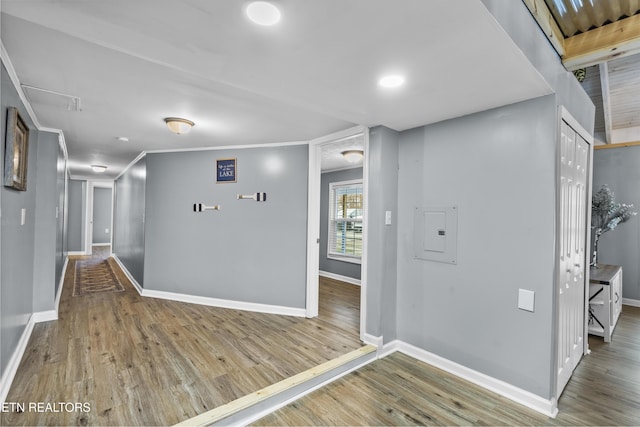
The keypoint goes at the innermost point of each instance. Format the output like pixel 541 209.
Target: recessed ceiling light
pixel 391 81
pixel 98 168
pixel 263 13
pixel 123 139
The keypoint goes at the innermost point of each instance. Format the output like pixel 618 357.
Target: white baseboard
pixel 14 361
pixel 373 340
pixel 76 253
pixel 44 316
pixel 212 302
pixel 101 244
pixel 547 407
pixel 340 277
pixel 631 302
pixel 126 273
pixel 61 284
pixel 223 303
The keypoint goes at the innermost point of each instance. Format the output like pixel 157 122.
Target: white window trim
pixel 353 259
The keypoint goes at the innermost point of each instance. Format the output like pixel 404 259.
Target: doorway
pixel 99 216
pixel 573 239
pixel 336 244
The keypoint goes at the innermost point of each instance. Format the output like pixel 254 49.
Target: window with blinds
pixel 345 221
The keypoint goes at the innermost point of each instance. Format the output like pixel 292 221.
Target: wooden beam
pixel 606 101
pixel 224 411
pixel 547 23
pixel 622 144
pixel 620 38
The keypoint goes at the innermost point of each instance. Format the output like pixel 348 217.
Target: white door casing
pixel 313 221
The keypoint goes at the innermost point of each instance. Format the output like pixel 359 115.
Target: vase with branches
pixel 606 215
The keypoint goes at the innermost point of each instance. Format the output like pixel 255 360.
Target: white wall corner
pixel 14 361
pixel 547 407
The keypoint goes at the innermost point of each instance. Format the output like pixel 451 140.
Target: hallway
pixel 144 361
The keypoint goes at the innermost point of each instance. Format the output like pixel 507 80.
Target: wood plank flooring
pixel 399 390
pixel 145 361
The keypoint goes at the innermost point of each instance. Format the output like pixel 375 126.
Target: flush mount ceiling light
pixel 263 13
pixel 353 156
pixel 178 125
pixel 99 168
pixel 391 81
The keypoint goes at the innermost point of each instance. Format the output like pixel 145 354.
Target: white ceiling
pixel 133 63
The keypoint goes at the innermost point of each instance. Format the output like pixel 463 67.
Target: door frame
pixel 88 221
pixel 565 115
pixel 313 220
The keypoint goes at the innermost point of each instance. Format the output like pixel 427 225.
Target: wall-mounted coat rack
pixel 201 207
pixel 258 197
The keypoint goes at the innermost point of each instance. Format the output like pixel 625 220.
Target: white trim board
pixel 340 277
pixel 223 303
pixel 61 283
pixel 128 274
pixel 548 407
pixel 631 302
pixel 211 302
pixel 14 360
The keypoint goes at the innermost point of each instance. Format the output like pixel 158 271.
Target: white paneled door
pixel 574 157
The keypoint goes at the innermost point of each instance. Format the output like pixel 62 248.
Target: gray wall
pixel 382 243
pixel 62 220
pixel 505 191
pixel 48 227
pixel 101 215
pixel 334 266
pixel 247 251
pixel 129 219
pixel 31 255
pixel 76 210
pixel 17 243
pixel 499 168
pixel 619 168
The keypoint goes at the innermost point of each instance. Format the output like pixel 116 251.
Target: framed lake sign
pixel 225 170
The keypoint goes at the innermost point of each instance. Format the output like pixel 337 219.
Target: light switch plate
pixel 387 217
pixel 23 216
pixel 526 300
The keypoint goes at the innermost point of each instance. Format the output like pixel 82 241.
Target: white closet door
pixel 574 154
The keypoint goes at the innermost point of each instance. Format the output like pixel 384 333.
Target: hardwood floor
pixel 145 361
pixel 399 390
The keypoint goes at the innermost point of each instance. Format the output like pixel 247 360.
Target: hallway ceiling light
pixel 353 156
pixel 263 13
pixel 391 81
pixel 178 125
pixel 99 168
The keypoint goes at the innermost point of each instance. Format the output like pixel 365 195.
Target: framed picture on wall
pixel 225 170
pixel 16 149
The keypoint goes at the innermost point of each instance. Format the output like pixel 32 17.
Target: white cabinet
pixel 605 300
